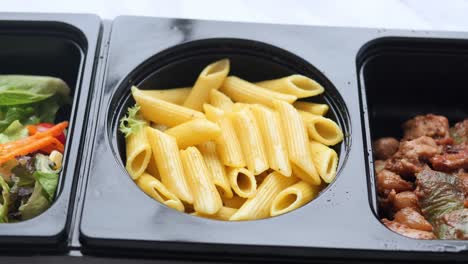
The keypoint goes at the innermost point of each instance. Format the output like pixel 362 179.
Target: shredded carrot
pixel 36 145
pixel 12 146
pixel 57 145
pixel 32 129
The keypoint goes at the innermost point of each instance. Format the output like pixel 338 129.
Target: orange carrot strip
pixel 57 145
pixel 33 147
pixel 32 129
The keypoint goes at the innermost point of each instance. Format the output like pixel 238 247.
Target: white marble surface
pixel 450 15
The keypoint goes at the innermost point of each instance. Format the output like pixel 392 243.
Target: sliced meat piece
pixel 459 132
pixel 384 148
pixel 413 219
pixel 406 200
pixel 434 126
pixel 453 158
pixel 411 156
pixel 407 231
pixel 379 165
pixel 388 181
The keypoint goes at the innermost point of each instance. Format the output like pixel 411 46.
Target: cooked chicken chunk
pixel 434 126
pixel 384 148
pixel 407 231
pixel 413 219
pixel 388 181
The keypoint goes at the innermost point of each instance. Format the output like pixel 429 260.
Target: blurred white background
pixel 405 14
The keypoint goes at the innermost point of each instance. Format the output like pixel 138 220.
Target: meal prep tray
pixel 374 79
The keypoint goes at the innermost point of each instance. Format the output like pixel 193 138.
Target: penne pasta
pixel 273 139
pixel 297 143
pixel 175 95
pixel 154 188
pixel 169 164
pixel 206 197
pixel 223 214
pixel 216 168
pixel 297 85
pixel 220 100
pixel 242 182
pixel 322 129
pixel 234 202
pixel 209 79
pixel 194 132
pixel 243 91
pixel 313 108
pixel 325 161
pixel 138 152
pixel 162 112
pixel 251 144
pixel 159 127
pixel 258 206
pixel 212 113
pixel 293 197
pixel 152 169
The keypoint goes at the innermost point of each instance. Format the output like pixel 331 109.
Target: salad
pixel 31 145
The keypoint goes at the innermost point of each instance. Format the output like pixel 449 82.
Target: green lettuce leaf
pixel 13 132
pixel 46 176
pixel 4 201
pixel 36 204
pixel 132 122
pixel 26 89
pixel 453 225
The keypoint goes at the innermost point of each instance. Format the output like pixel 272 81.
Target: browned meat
pixel 386 203
pixel 413 219
pixel 430 125
pixel 453 158
pixel 388 181
pixel 405 200
pixel 459 132
pixel 384 148
pixel 407 231
pixel 411 155
pixel 379 165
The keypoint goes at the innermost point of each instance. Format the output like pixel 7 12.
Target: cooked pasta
pixel 322 129
pixel 162 112
pixel 194 132
pixel 258 206
pixel 209 79
pixel 154 188
pixel 246 92
pixel 313 108
pixel 325 160
pixel 297 85
pixel 166 156
pixel 138 153
pixel 206 199
pixel 228 149
pixel 298 143
pixel 175 95
pixel 293 197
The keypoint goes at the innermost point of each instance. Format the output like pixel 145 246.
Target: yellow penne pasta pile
pixel 232 150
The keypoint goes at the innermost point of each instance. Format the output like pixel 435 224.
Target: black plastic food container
pixel 60 46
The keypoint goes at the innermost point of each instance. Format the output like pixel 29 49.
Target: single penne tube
pixel 212 113
pixel 258 206
pixel 313 108
pixel 293 197
pixel 235 202
pixel 220 100
pixel 194 132
pixel 216 168
pixel 155 189
pixel 325 160
pixel 297 85
pixel 273 139
pixel 209 79
pixel 297 142
pixel 251 140
pixel 227 144
pixel 162 112
pixel 169 164
pixel 242 182
pixel 138 151
pixel 322 129
pixel 223 214
pixel 206 198
pixel 174 95
pixel 243 91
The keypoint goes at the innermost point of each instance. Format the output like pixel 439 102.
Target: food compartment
pixel 58 50
pixel 401 79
